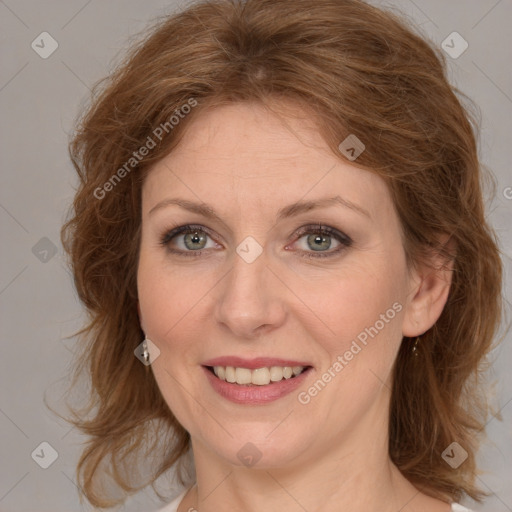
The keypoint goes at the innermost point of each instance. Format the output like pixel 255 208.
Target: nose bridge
pixel 248 298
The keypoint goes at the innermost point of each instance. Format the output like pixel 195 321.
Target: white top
pixel 173 505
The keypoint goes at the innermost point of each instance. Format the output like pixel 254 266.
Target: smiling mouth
pixel 257 377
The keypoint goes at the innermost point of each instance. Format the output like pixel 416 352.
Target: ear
pixel 429 288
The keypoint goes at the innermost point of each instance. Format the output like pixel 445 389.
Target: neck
pixel 353 474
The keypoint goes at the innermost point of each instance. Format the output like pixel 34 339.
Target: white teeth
pixel 276 373
pixel 220 371
pixel 243 376
pixel 257 377
pixel 230 374
pixel 260 376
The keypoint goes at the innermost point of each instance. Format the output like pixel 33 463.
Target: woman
pixel 279 234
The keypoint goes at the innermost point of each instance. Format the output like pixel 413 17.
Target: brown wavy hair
pixel 358 70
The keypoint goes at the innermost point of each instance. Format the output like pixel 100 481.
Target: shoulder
pixel 173 505
pixel 459 508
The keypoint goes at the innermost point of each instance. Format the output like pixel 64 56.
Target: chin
pixel 257 450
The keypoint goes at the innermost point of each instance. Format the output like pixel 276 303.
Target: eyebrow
pixel 288 211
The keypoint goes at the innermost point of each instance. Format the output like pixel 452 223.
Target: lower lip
pixel 255 395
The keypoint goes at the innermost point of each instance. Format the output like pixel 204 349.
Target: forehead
pixel 254 158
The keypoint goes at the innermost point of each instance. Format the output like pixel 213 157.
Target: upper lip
pixel 251 364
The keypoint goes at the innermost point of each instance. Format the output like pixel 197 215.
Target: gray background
pixel 40 98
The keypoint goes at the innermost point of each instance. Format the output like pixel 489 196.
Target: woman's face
pixel 258 286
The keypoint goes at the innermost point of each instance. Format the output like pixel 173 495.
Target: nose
pixel 250 300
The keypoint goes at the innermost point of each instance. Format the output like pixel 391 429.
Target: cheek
pixel 175 303
pixel 164 301
pixel 360 333
pixel 159 297
pixel 354 301
pixel 164 294
pixel 363 310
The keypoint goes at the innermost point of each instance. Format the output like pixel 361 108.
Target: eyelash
pixel 316 229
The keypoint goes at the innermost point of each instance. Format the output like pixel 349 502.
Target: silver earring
pixel 145 350
pixel 415 347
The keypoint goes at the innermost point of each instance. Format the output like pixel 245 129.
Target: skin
pixel 331 453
